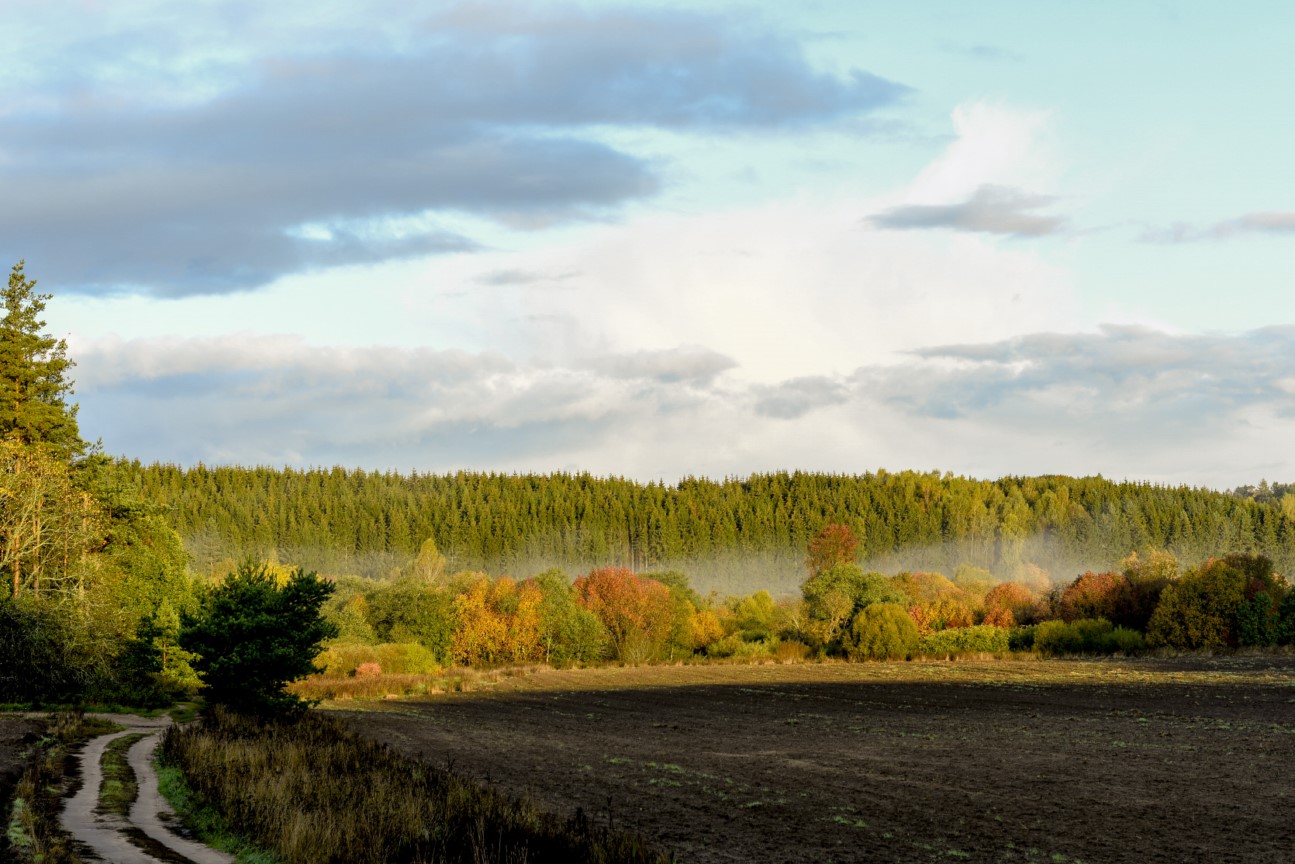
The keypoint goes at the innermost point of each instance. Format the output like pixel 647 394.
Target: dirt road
pixel 116 841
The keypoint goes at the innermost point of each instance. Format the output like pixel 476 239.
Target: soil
pixel 17 736
pixel 1163 760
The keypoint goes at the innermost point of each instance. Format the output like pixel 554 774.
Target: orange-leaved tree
pixel 834 544
pixel 1008 604
pixel 1095 595
pixel 637 611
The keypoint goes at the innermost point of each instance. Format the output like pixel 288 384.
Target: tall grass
pixel 315 793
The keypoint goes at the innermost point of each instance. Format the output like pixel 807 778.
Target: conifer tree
pixel 34 383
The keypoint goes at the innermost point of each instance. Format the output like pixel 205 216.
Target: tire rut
pixel 109 838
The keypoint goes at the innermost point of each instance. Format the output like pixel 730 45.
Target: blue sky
pixel 656 240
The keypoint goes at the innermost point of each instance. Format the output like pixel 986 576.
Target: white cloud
pixel 1127 402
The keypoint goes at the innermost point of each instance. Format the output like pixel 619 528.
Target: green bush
pixel 883 631
pixel 733 645
pixel 1286 620
pixel 981 639
pixel 1085 636
pixel 1021 638
pixel 406 658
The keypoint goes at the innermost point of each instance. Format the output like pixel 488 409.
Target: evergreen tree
pixel 33 372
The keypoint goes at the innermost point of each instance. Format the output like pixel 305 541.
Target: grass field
pixel 1161 760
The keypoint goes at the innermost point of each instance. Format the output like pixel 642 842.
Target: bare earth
pixel 17 735
pixel 1062 761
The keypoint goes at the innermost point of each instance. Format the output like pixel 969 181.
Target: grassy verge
pixel 205 823
pixel 316 793
pixel 32 832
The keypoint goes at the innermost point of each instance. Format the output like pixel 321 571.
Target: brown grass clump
pixel 315 793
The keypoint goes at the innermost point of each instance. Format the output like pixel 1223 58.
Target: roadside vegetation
pixel 313 793
pixel 32 832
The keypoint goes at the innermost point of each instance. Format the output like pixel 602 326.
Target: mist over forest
pixel 733 536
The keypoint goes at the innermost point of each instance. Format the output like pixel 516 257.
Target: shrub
pixel 1200 609
pixel 790 651
pixel 982 639
pixel 1085 636
pixel 1008 604
pixel 368 670
pixel 1094 595
pixel 637 612
pixel 1021 638
pixel 1286 620
pixel 883 631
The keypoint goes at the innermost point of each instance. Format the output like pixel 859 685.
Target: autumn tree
pixel 1095 595
pixel 832 545
pixel 1148 575
pixel 836 594
pixel 1008 604
pixel 637 612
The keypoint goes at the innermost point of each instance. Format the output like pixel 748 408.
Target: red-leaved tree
pixel 637 611
pixel 834 544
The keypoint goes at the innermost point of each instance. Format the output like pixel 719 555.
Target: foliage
pixel 369 523
pixel 1285 626
pixel 569 633
pixel 883 631
pixel 756 617
pixel 834 596
pixel 636 611
pixel 33 373
pixel 833 544
pixel 935 603
pixel 497 622
pixel 1200 610
pixel 342 659
pixel 1095 595
pixel 980 639
pixel 48 526
pixel 40 657
pixel 254 636
pixel 1008 604
pixel 1085 636
pixel 1148 575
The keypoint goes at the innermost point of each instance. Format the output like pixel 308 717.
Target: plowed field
pixel 1061 761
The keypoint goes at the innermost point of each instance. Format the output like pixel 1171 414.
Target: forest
pixel 734 535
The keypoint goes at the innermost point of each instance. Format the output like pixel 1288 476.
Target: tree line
pixel 368 523
pixel 426 618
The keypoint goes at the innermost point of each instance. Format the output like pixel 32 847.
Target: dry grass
pixel 315 793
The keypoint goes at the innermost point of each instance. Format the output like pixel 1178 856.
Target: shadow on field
pixel 1160 760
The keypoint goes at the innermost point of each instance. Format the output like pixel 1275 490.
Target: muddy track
pixel 118 841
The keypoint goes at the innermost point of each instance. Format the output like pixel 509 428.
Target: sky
pixel 662 240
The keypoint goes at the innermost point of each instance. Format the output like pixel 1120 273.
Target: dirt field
pixel 1146 761
pixel 16 736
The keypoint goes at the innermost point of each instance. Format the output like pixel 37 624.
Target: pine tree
pixel 33 372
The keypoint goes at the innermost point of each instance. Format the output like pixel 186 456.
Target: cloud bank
pixel 1124 401
pixel 364 147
